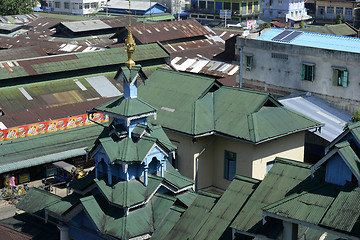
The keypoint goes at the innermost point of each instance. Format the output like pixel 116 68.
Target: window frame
pixel 57 4
pixel 304 75
pixel 249 60
pixel 344 77
pixel 229 157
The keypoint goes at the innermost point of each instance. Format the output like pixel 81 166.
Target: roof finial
pixel 130 44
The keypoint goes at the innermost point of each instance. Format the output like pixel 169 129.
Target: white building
pixel 287 61
pixel 289 10
pixel 80 7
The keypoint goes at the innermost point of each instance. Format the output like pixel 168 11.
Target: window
pixel 256 6
pixel 87 5
pixel 307 72
pixel 330 12
pixel 235 8
pixel 210 5
pixel 229 165
pixel 321 10
pixel 57 4
pixel 279 55
pixel 227 5
pixel 248 62
pixel 348 11
pixel 243 8
pixel 339 10
pixel 341 77
pixel 94 5
pixel 66 5
pixel 279 2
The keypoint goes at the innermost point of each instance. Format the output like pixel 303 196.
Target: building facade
pixel 297 62
pixel 327 10
pixel 288 10
pixel 79 7
pixel 237 10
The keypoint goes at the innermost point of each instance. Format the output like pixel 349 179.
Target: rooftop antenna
pixel 130 43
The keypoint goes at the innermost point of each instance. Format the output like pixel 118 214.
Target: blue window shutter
pixel 218 5
pixel 345 79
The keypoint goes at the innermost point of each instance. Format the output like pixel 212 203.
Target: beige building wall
pixel 251 159
pixel 291 147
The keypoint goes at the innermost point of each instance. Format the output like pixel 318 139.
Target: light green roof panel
pixel 65 204
pixel 159 203
pixel 173 216
pixel 204 117
pixel 93 209
pixel 173 177
pixel 126 107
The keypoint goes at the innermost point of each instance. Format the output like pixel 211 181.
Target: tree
pixel 338 18
pixel 356 117
pixel 15 7
pixel 301 25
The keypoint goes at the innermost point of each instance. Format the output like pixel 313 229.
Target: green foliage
pixel 356 116
pixel 338 18
pixel 14 7
pixel 264 25
pixel 301 24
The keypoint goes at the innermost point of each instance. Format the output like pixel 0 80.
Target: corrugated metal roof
pixel 47 148
pixel 197 111
pixel 317 40
pixel 335 29
pixel 224 211
pixel 313 107
pixel 166 31
pixel 83 26
pixel 283 179
pixel 77 61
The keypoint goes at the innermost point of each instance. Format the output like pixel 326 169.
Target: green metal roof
pixel 46 148
pixel 196 105
pixel 224 211
pixel 156 18
pixel 129 193
pixel 127 107
pixel 192 219
pixel 173 216
pixel 36 200
pixel 326 205
pixel 126 149
pixel 83 60
pixel 334 29
pixel 283 179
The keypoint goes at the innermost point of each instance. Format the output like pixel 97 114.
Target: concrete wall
pixel 285 74
pixel 250 159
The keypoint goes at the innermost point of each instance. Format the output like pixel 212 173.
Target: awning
pixel 64 165
pixel 41 160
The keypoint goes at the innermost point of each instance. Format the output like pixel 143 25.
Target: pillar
pixel 64 231
pixel 96 169
pixel 146 170
pixel 162 167
pixel 290 231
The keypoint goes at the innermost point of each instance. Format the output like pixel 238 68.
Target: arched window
pixel 154 165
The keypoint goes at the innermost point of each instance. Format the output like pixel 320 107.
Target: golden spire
pixel 130 44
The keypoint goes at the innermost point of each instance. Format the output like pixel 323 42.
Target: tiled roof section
pixel 167 31
pixel 317 40
pixel 7 233
pixel 284 178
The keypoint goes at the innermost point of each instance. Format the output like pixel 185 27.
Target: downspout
pixel 197 162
